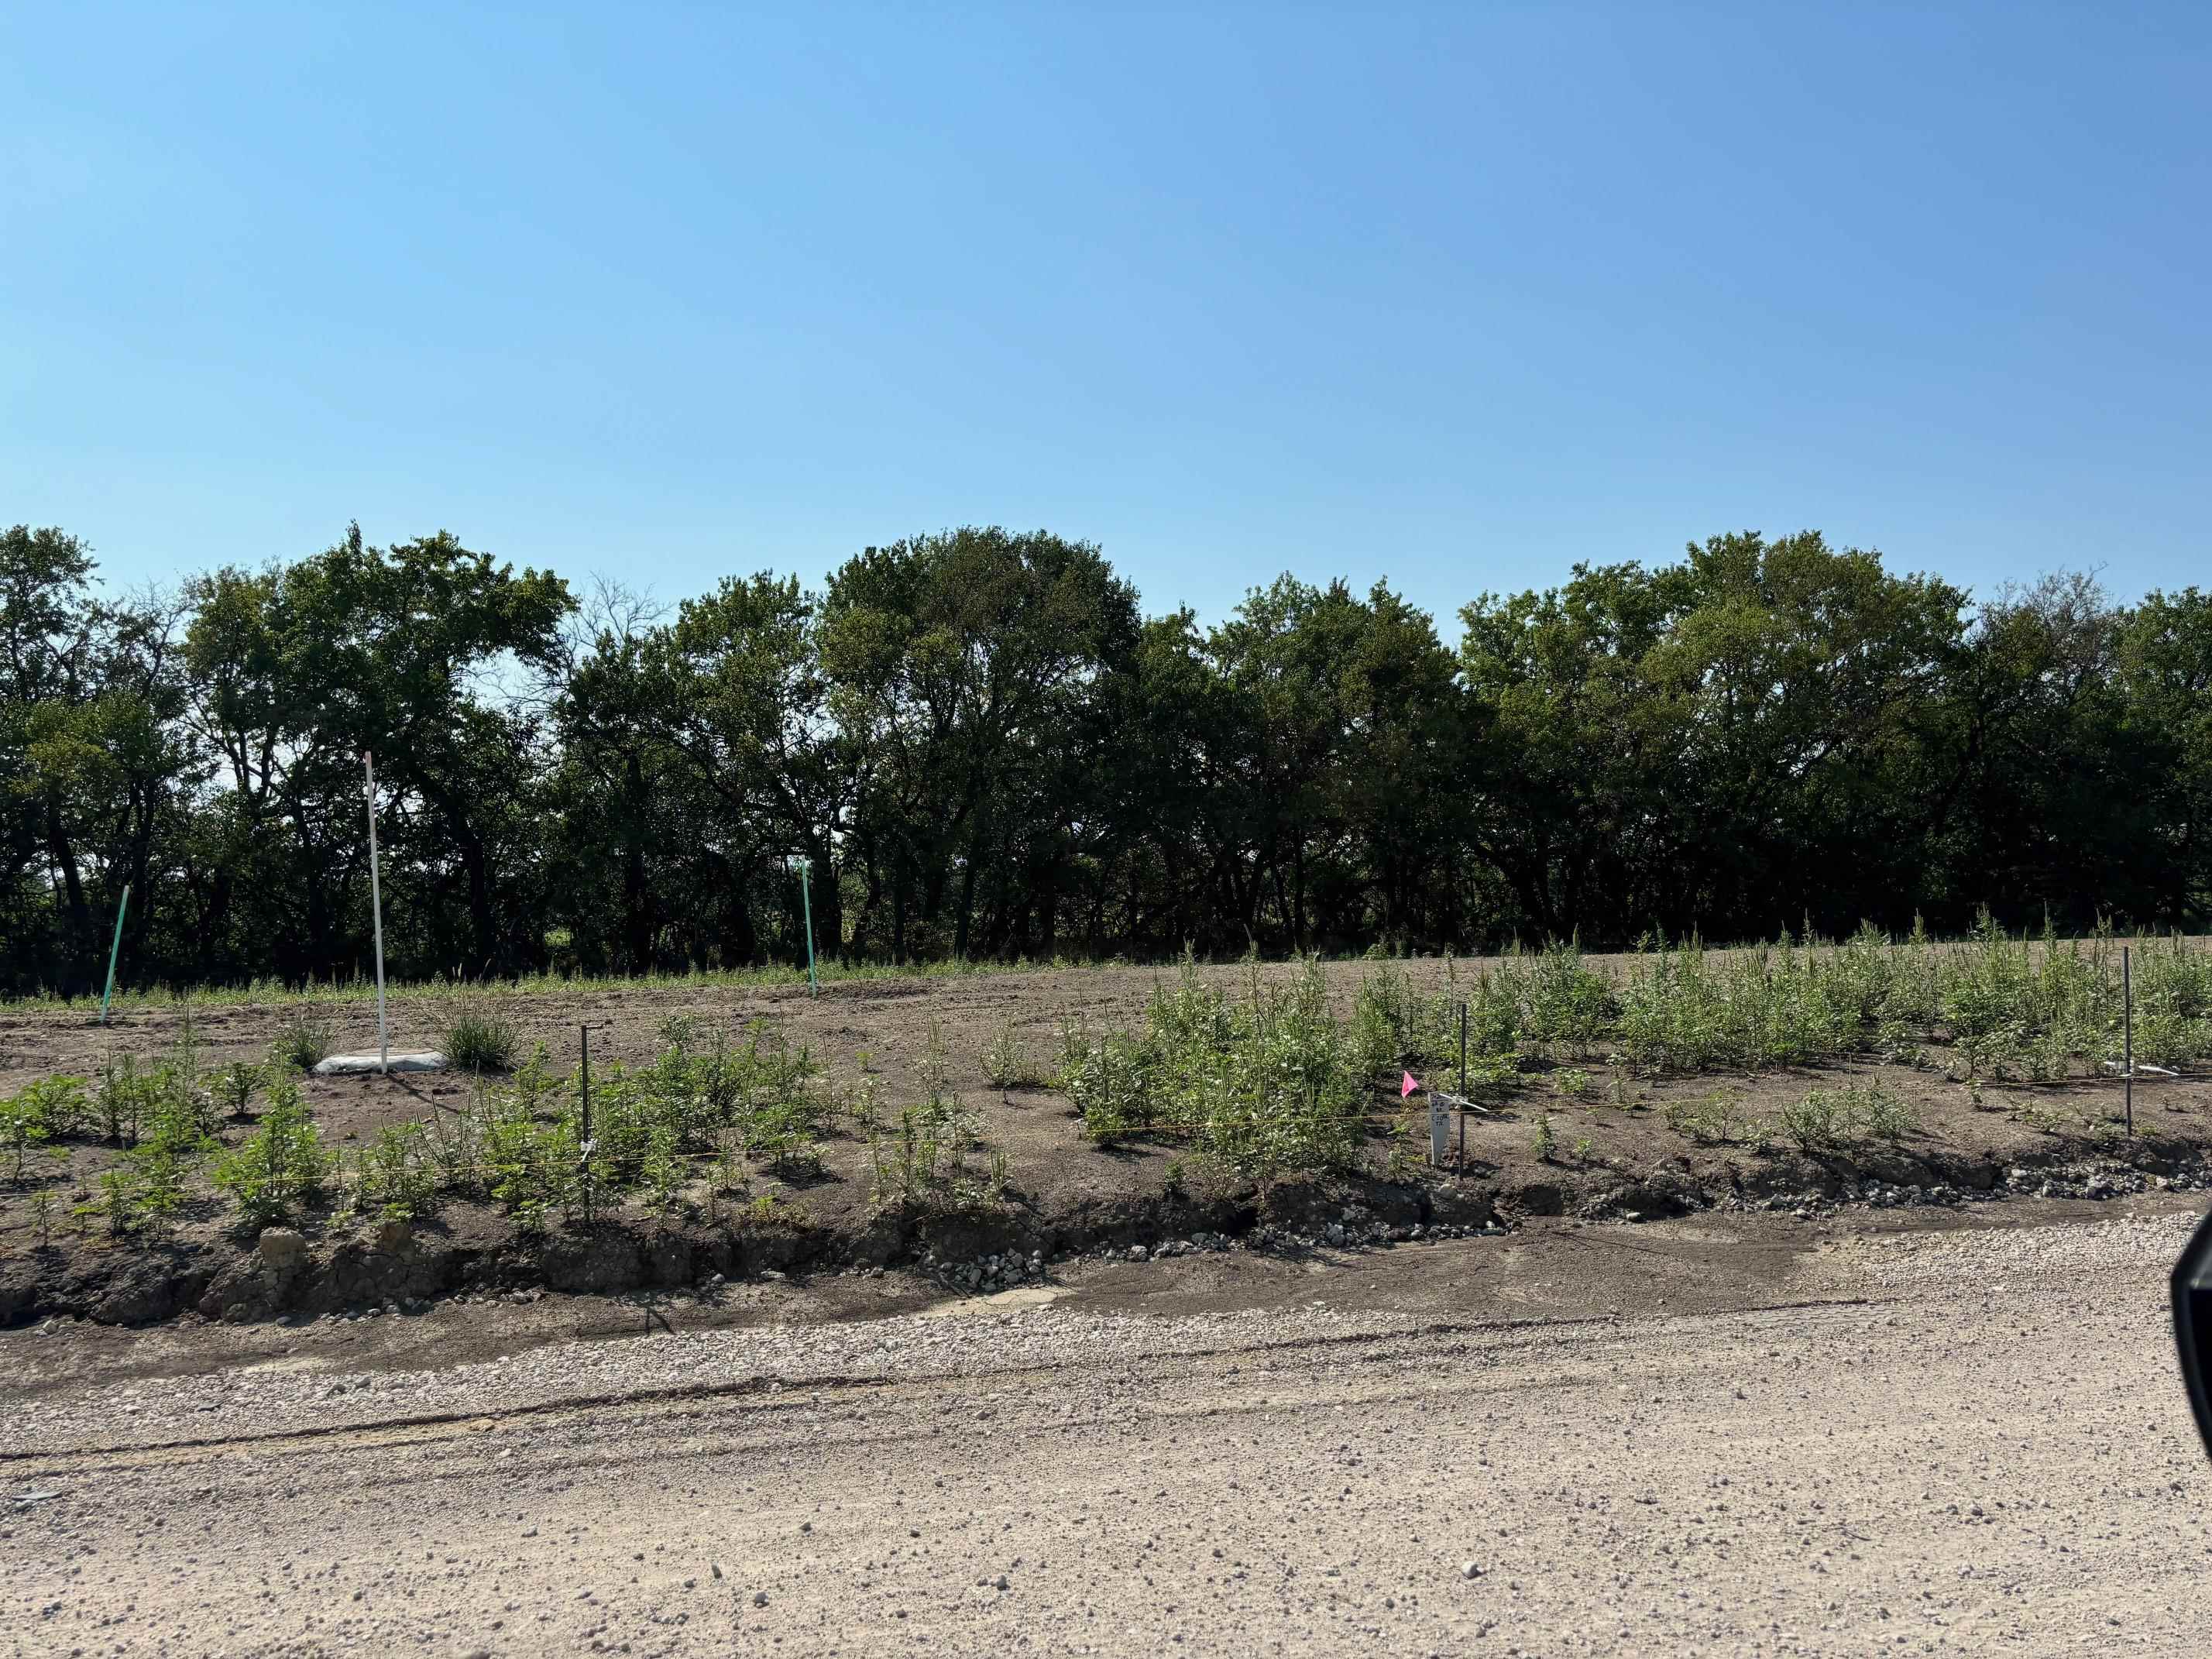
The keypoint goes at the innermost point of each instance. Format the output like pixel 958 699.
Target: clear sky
pixel 1453 296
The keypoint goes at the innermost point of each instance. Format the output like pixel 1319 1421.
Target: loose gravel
pixel 1957 1441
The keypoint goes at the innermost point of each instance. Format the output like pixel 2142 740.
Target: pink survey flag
pixel 1408 1087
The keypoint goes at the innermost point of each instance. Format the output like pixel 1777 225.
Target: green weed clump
pixel 1777 1005
pixel 1262 1084
pixel 281 1169
pixel 1395 1026
pixel 927 1162
pixel 1714 1120
pixel 234 1087
pixel 1008 1063
pixel 1827 1118
pixel 1562 1004
pixel 480 1036
pixel 705 1103
pixel 305 1039
pixel 37 1116
pixel 399 1176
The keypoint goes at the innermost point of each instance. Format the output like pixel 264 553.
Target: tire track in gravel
pixel 1549 1354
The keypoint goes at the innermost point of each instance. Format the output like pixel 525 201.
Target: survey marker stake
pixel 113 951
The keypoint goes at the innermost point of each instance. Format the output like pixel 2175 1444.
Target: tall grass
pixel 480 1036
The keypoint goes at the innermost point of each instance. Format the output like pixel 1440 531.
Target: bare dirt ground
pixel 1911 1432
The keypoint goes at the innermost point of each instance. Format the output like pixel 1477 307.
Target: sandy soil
pixel 1918 1432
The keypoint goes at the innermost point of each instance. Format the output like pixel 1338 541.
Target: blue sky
pixel 1453 296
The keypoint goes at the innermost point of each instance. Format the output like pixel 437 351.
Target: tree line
pixel 989 750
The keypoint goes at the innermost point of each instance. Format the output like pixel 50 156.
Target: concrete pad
pixel 348 1065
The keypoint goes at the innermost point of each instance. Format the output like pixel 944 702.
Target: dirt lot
pixel 1742 1435
pixel 1615 1153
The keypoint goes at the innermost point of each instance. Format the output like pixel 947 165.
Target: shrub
pixel 1714 1120
pixel 57 1105
pixel 1841 1117
pixel 1393 1025
pixel 23 1131
pixel 280 1169
pixel 1261 1085
pixel 924 1164
pixel 480 1036
pixel 1541 1141
pixel 1886 1117
pixel 399 1177
pixel 1562 1001
pixel 1110 1084
pixel 1817 1119
pixel 36 1116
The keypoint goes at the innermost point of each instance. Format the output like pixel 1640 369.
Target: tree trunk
pixel 77 925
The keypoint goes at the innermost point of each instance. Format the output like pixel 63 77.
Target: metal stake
pixel 2128 1036
pixel 113 951
pixel 804 866
pixel 1462 1050
pixel 1462 1088
pixel 584 1073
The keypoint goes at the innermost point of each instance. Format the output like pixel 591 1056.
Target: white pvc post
pixel 376 910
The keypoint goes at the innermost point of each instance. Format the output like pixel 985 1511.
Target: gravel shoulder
pixel 1739 1434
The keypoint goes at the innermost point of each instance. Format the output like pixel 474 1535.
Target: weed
pixel 280 1169
pixel 452 1141
pixel 936 1066
pixel 117 1201
pixel 304 1040
pixel 398 1173
pixel 1111 1087
pixel 34 1117
pixel 1842 1117
pixel 480 1036
pixel 1008 1063
pixel 42 1215
pixel 1713 1120
pixel 1572 1084
pixel 126 1097
pixel 234 1087
pixel 924 1166
pixel 1542 1142
pixel 1584 1150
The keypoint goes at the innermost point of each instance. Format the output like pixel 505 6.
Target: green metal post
pixel 806 903
pixel 114 950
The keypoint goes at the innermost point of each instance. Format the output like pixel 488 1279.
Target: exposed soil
pixel 1068 1197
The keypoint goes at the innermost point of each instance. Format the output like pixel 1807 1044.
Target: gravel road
pixel 1919 1438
